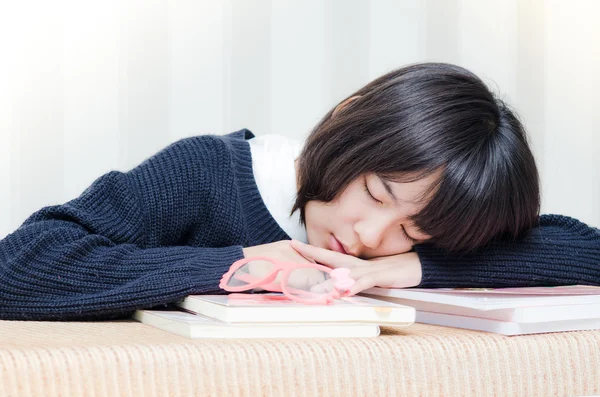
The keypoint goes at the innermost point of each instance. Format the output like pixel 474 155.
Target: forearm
pixel 131 240
pixel 87 277
pixel 561 251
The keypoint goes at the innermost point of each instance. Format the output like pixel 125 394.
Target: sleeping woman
pixel 423 177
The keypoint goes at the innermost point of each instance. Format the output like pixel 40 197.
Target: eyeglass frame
pixel 340 289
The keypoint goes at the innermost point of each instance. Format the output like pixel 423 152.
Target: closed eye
pixel 407 237
pixel 370 194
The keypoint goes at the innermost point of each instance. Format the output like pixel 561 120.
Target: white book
pixel 258 308
pixel 521 305
pixel 498 298
pixel 532 314
pixel 506 327
pixel 197 326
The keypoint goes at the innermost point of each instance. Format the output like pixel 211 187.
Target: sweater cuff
pixel 493 268
pixel 431 272
pixel 441 269
pixel 212 266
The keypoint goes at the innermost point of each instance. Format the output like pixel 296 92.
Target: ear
pixel 344 104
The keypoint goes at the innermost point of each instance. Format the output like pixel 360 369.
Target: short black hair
pixel 414 121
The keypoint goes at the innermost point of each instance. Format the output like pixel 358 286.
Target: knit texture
pixel 559 251
pixel 169 228
pixel 172 226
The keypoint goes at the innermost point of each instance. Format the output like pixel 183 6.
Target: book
pixel 532 314
pixel 508 311
pixel 503 304
pixel 197 326
pixel 506 327
pixel 275 308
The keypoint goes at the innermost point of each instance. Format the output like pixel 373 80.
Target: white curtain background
pixel 88 87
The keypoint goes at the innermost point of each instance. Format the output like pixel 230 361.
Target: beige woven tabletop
pixel 125 358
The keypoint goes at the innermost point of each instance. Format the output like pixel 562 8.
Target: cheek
pixel 312 213
pixel 350 209
pixel 316 220
pixel 388 248
pixel 322 220
pixel 320 214
pixel 397 246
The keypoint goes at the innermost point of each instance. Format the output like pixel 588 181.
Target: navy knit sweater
pixel 173 225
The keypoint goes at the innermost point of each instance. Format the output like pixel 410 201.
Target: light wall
pixel 87 87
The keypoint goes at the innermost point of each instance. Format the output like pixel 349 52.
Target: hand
pixel 282 251
pixel 396 271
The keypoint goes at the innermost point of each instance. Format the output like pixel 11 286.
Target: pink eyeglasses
pixel 304 283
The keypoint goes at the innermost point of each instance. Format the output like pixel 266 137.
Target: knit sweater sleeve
pixel 559 251
pixel 120 246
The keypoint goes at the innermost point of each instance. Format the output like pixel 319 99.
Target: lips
pixel 335 245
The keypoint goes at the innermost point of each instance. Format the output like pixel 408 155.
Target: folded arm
pixel 118 247
pixel 560 251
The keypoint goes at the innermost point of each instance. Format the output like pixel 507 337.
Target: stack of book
pixel 274 316
pixel 508 311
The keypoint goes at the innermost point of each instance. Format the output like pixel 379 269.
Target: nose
pixel 371 231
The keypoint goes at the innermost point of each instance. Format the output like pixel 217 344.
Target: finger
pixel 363 283
pixel 316 277
pixel 325 286
pixel 324 256
pixel 355 274
pixel 379 275
pixel 358 272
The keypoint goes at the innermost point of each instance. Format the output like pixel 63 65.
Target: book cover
pixel 566 290
pixel 531 314
pixel 275 308
pixel 197 326
pixel 493 299
pixel 509 311
pixel 506 327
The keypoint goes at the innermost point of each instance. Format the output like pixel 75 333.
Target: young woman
pixel 421 178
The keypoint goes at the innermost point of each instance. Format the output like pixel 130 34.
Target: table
pixel 127 358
